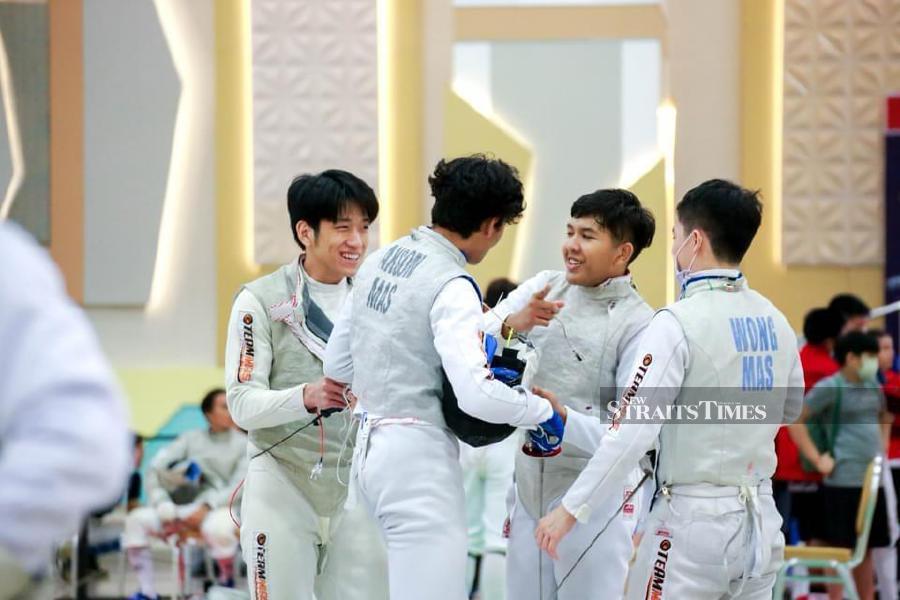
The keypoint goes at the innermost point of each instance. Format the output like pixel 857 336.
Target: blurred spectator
pixel 497 290
pixel 135 483
pixel 190 483
pixel 886 559
pixel 890 383
pixel 795 489
pixel 857 437
pixel 63 435
pixel 853 311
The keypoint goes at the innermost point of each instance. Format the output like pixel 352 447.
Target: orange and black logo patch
pixel 246 360
pixel 658 574
pixel 260 576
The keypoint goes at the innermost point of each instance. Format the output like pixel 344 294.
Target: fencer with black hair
pixel 585 323
pixel 713 531
pixel 297 540
pixel 415 314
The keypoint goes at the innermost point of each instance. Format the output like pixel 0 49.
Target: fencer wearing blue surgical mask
pixel 682 274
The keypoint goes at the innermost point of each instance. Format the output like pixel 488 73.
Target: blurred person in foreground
pixel 64 445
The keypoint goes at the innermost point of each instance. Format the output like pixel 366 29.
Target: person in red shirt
pixel 886 559
pixel 795 490
pixel 889 378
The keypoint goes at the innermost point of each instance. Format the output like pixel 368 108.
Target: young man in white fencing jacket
pixel 715 375
pixel 414 314
pixel 585 323
pixel 296 537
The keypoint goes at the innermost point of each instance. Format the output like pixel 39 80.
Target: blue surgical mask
pixel 869 369
pixel 682 275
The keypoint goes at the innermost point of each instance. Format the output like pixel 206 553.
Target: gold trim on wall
pixel 234 159
pixel 569 22
pixel 67 142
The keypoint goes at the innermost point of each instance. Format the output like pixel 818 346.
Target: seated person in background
pixel 135 483
pixel 857 439
pixel 189 485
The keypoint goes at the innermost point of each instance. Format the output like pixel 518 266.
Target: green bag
pixel 824 434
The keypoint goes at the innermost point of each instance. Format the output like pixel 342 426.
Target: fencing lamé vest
pixel 397 372
pixel 598 321
pixel 293 364
pixel 742 351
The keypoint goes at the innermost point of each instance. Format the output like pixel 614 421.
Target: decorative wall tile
pixel 841 58
pixel 315 86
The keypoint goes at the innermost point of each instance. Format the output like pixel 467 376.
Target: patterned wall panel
pixel 314 104
pixel 841 58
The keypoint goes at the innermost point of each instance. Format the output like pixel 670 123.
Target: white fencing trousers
pixel 709 543
pixel 292 553
pixel 532 575
pixel 217 529
pixel 487 477
pixel 410 478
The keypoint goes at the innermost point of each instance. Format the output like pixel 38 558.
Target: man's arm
pixel 656 375
pixel 338 359
pixel 248 364
pixel 518 300
pixel 65 447
pixel 456 321
pixel 819 398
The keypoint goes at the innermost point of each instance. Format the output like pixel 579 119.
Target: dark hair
pixel 879 333
pixel 469 190
pixel 729 214
pixel 849 305
pixel 137 439
pixel 326 196
pixel 855 342
pixel 821 324
pixel 497 289
pixel 206 405
pixel 619 212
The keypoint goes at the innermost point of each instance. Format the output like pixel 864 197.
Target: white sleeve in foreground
pixel 63 423
pixel 456 321
pixel 338 359
pixel 623 445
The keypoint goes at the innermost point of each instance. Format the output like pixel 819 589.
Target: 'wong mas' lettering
pixel 755 338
